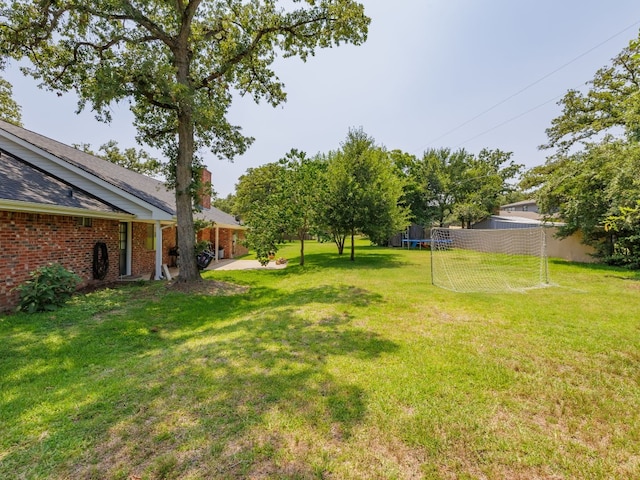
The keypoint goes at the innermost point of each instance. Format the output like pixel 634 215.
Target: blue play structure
pixel 424 242
pixel 416 242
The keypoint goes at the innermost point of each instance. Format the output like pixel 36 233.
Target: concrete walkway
pixel 226 264
pixel 232 264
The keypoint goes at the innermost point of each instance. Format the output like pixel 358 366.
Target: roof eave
pixel 156 213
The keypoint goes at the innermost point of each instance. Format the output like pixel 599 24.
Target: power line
pixel 544 77
pixel 509 120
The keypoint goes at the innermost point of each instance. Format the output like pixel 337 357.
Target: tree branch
pixel 251 48
pixel 135 16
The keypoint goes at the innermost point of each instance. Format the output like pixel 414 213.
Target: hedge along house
pixel 103 221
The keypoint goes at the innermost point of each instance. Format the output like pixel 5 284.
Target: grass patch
pixel 337 369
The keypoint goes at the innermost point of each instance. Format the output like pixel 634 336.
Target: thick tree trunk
pixel 184 206
pixel 184 176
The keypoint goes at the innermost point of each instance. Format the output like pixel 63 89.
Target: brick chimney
pixel 205 194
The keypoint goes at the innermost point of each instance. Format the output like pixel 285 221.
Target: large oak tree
pixel 177 63
pixel 610 105
pixel 592 180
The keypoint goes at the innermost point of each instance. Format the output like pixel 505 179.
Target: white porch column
pixel 158 274
pixel 216 246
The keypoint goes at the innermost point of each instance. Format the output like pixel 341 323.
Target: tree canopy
pixel 177 64
pixel 591 181
pixel 612 101
pixel 594 191
pixel 133 159
pixel 446 186
pixel 226 204
pixel 9 109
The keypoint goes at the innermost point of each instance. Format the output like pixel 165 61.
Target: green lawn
pixel 334 370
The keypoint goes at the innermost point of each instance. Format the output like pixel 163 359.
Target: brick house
pixel 61 205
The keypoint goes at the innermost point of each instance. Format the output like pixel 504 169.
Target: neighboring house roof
pixel 520 213
pixel 129 191
pixel 518 204
pixel 521 219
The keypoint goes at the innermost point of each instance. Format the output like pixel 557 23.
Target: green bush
pixel 50 286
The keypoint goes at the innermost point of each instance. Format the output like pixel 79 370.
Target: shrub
pixel 203 245
pixel 50 286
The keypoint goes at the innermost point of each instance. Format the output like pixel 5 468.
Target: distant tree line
pixel 364 189
pixel 590 182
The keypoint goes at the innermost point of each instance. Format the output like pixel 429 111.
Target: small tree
pixel 362 192
pixel 279 198
pixel 260 202
pixel 626 224
pixel 303 183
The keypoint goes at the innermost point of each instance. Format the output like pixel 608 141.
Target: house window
pixel 525 208
pixel 150 241
pixel 84 222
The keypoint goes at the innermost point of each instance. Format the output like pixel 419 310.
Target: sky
pixel 433 73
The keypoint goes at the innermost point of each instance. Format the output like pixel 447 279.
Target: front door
pixel 123 247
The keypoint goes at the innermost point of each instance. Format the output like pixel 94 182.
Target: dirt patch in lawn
pixel 207 287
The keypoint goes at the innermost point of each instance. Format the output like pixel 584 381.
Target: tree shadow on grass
pixel 209 387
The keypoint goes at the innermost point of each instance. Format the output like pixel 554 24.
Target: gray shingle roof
pixel 24 183
pixel 217 216
pixel 145 188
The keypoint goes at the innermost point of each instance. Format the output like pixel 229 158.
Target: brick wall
pixel 28 241
pixel 226 239
pixel 169 241
pixel 143 260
